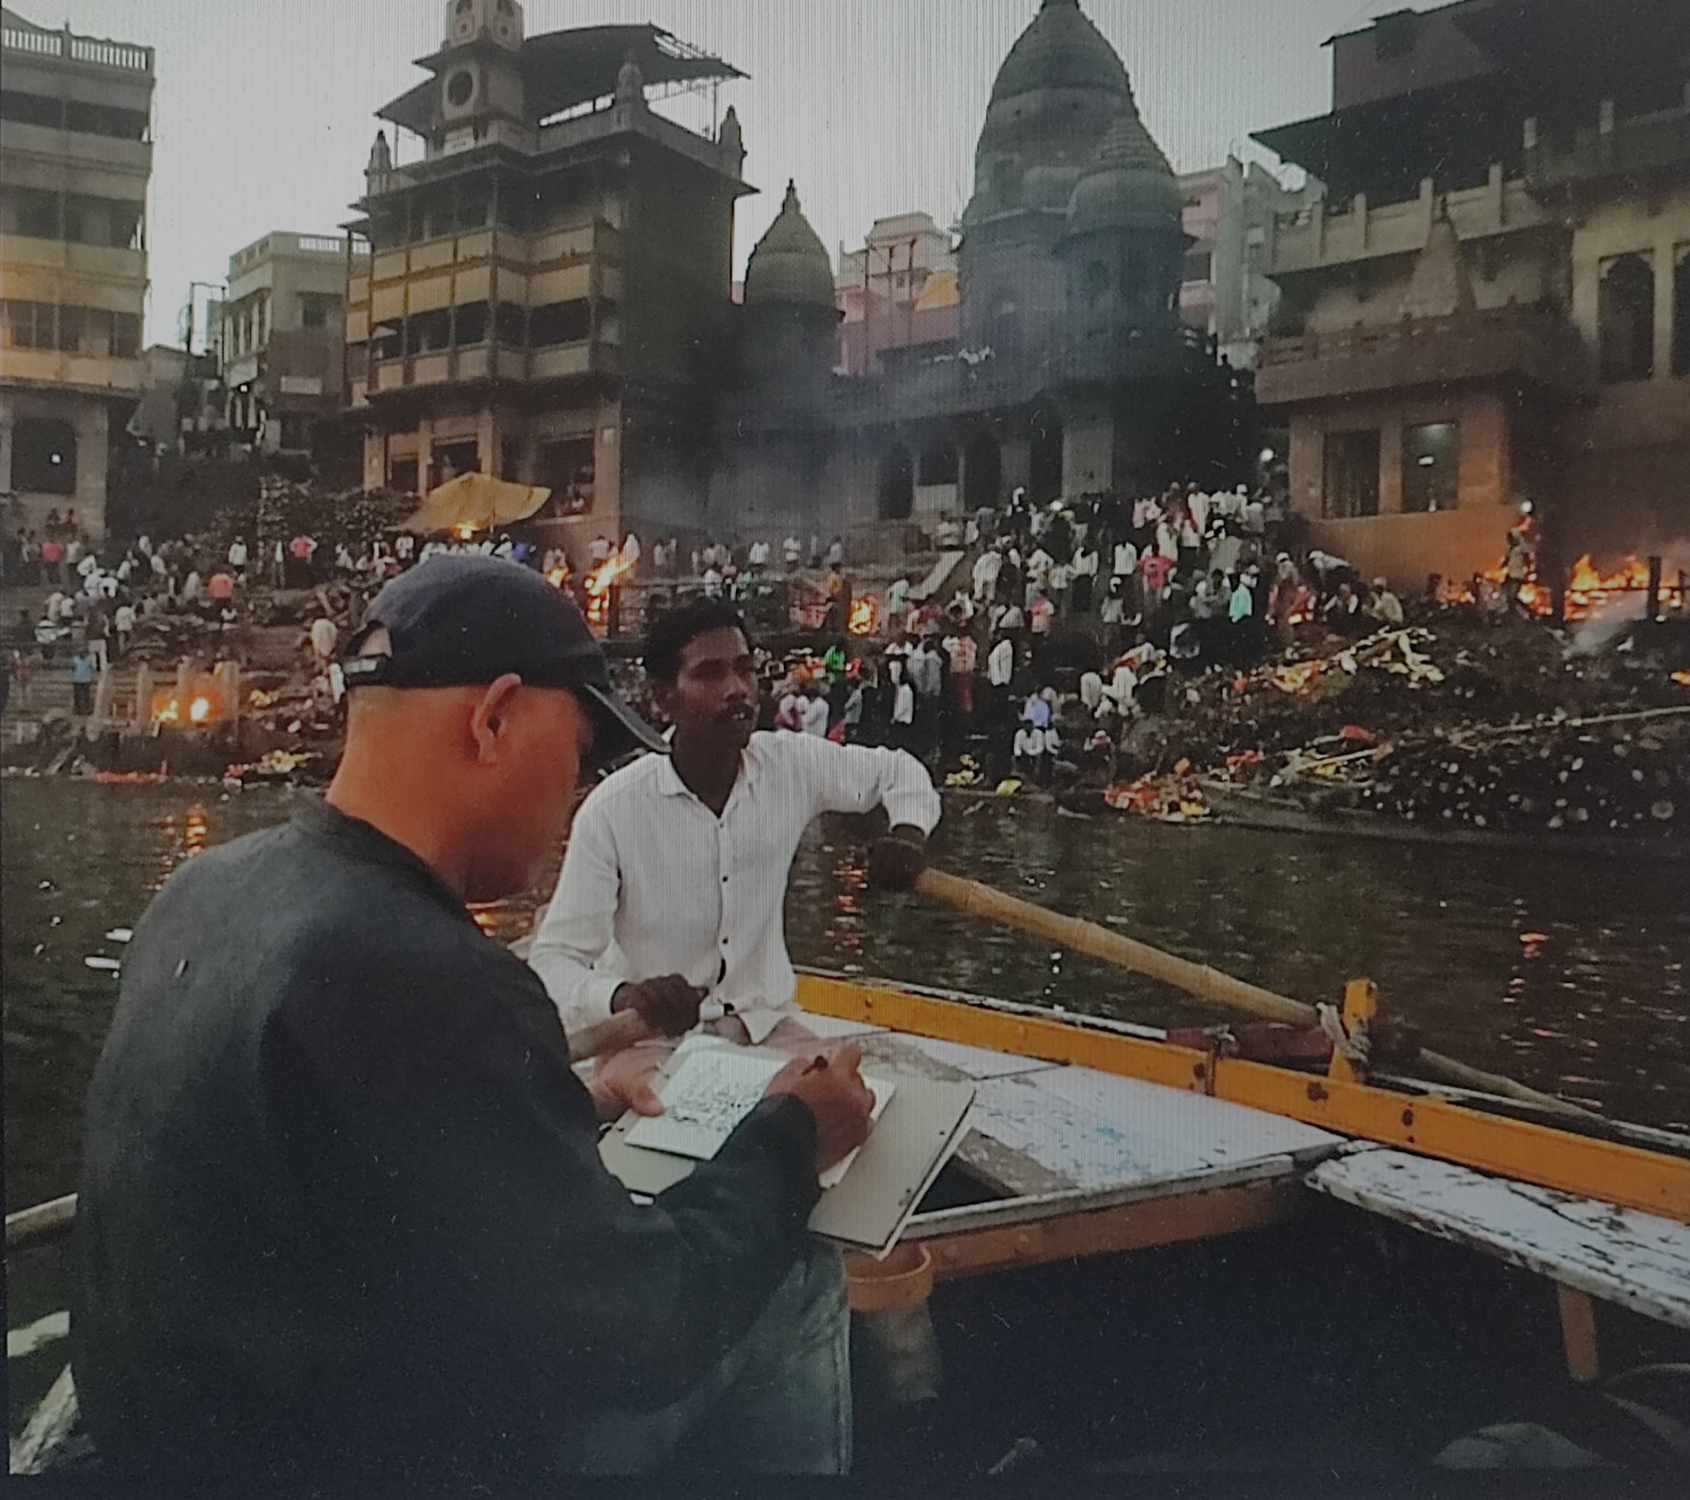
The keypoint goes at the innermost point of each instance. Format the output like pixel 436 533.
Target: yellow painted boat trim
pixel 1609 1171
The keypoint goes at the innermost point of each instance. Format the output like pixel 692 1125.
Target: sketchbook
pixel 710 1090
pixel 709 1086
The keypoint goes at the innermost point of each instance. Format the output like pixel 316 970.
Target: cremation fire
pixel 196 711
pixel 597 585
pixel 863 615
pixel 1589 587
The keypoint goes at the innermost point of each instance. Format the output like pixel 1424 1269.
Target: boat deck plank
pixel 1101 1131
pixel 1620 1255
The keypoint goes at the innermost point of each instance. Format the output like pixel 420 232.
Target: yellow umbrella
pixel 476 501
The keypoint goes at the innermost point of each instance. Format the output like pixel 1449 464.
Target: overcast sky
pixel 263 112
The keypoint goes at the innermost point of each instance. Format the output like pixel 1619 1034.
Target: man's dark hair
pixel 673 632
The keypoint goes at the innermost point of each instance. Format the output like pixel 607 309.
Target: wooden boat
pixel 1149 1256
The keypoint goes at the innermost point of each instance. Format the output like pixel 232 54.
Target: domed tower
pixel 1124 241
pixel 1055 96
pixel 790 316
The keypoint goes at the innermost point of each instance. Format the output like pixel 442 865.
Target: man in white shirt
pixel 238 557
pixel 675 878
pixel 598 551
pixel 986 569
pixel 791 550
pixel 759 558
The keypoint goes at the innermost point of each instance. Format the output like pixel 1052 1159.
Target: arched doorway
pixel 1044 467
pixel 982 473
pixel 896 488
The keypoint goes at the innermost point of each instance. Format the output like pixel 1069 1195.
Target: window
pixel 317 309
pixel 1352 474
pixel 36 213
pixel 28 325
pixel 565 466
pixel 71 321
pixel 30 109
pixel 460 88
pixel 429 332
pixel 357 361
pixel 560 323
pixel 44 455
pixel 1681 313
pixel 1625 313
pixel 1198 264
pixel 125 335
pixel 1431 466
pixel 402 476
pixel 470 325
pixel 462 456
pixel 510 325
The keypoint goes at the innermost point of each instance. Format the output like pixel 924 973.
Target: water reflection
pixel 1568 979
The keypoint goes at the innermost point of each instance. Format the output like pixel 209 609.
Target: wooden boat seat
pixel 1589 1249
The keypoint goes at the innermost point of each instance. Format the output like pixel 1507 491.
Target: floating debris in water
pixel 120 934
pixel 104 965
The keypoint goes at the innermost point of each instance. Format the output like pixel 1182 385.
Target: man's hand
pixel 622 1081
pixel 895 860
pixel 834 1092
pixel 668 1006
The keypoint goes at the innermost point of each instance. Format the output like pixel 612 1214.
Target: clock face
pixel 460 88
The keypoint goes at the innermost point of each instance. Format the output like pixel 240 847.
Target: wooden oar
pixel 1206 983
pixel 600 1037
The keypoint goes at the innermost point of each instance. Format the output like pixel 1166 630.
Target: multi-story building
pixel 550 300
pixel 282 329
pixel 1493 289
pixel 75 127
pixel 898 291
pixel 547 297
pixel 1226 292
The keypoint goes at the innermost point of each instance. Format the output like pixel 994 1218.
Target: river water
pixel 1567 975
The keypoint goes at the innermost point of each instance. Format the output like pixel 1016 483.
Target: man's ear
pixel 487 722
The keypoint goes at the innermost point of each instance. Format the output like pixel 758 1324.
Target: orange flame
pixel 1588 587
pixel 862 617
pixel 597 583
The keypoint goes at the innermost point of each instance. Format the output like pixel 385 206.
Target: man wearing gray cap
pixel 342 1213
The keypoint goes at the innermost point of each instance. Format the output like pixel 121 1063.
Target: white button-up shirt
pixel 655 883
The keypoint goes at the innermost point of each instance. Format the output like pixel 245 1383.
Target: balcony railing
pixel 82 49
pixel 474 362
pixel 1328 232
pixel 1646 143
pixel 1539 343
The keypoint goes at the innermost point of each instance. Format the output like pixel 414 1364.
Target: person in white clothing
pixel 814 710
pixel 238 557
pixel 674 882
pixel 759 556
pixel 791 550
pixel 598 551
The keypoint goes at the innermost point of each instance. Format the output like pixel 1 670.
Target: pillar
pixel 93 453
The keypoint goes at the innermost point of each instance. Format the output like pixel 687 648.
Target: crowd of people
pixel 1076 617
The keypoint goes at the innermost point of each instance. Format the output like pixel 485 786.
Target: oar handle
pixel 976 900
pixel 597 1038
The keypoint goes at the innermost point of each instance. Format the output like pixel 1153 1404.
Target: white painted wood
pixel 1037 1206
pixel 976 1062
pixel 1096 1130
pixel 1637 1260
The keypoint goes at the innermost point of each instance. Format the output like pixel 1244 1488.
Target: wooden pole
pixel 1201 980
pixel 600 1037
